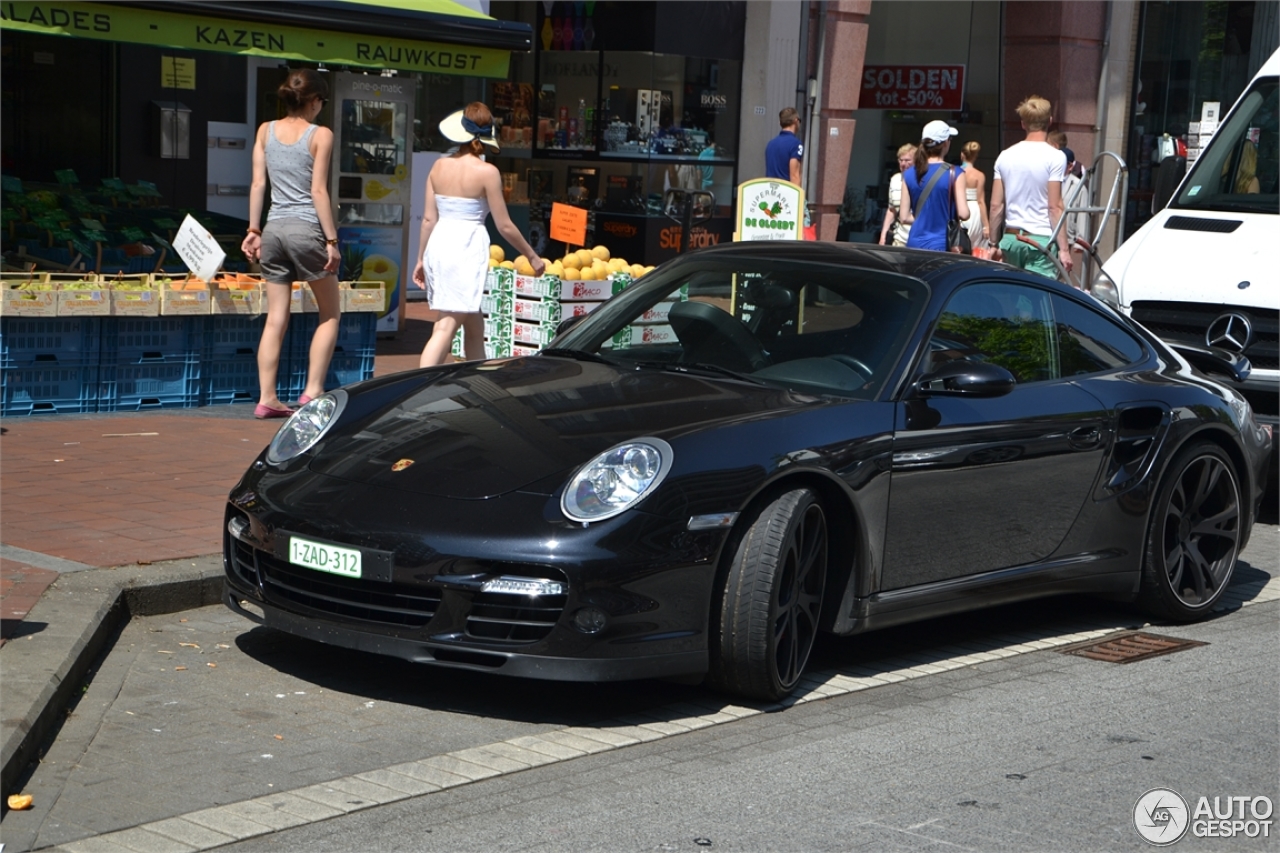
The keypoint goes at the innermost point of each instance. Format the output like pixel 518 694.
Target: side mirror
pixel 963 378
pixel 568 323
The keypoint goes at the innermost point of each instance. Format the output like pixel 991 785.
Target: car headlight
pixel 617 479
pixel 1105 289
pixel 306 426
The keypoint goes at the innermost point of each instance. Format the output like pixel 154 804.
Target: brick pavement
pixel 132 488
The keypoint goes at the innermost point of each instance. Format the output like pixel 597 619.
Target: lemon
pixel 571 274
pixel 523 267
pixel 495 252
pixel 588 274
pixel 572 261
pixel 618 265
pixel 601 252
pixel 585 257
pixel 493 263
pixel 507 265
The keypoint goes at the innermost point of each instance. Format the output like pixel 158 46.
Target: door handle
pixel 1085 438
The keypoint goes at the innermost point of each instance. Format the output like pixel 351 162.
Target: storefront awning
pixel 436 36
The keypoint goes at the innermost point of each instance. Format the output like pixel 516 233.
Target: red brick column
pixel 1054 49
pixel 844 51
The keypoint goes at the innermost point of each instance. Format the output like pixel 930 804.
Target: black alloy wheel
pixel 772 599
pixel 1194 537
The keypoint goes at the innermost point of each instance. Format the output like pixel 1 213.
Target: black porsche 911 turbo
pixel 820 437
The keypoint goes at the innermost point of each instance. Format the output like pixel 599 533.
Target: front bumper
pixel 646 577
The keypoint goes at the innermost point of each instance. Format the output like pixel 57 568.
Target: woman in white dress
pixel 892 231
pixel 978 226
pixel 462 190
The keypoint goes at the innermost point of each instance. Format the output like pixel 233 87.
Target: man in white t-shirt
pixel 1026 195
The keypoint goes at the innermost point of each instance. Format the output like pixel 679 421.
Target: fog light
pixel 590 620
pixel 523 586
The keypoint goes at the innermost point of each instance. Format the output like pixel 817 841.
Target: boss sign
pixel 920 87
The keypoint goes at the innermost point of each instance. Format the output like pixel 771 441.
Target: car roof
pixel 917 263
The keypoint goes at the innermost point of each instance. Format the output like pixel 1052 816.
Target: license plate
pixel 324 558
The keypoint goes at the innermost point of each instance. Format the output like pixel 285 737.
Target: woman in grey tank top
pixel 299 242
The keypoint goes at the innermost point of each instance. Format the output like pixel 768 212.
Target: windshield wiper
pixel 576 354
pixel 700 367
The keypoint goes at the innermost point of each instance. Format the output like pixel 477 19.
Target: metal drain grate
pixel 1127 648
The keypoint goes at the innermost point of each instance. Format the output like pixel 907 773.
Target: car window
pixel 1089 342
pixel 815 327
pixel 1003 324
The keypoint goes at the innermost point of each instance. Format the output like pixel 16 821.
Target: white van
pixel 1205 270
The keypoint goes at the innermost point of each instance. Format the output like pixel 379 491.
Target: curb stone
pixel 69 628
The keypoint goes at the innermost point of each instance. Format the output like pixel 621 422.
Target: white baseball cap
pixel 938 132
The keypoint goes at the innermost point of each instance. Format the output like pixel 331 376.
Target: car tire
pixel 771 599
pixel 1193 537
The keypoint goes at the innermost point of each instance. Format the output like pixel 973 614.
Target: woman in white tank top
pixel 462 191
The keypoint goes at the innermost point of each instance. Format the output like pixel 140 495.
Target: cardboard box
pixel 500 281
pixel 177 300
pixel 656 314
pixel 497 305
pixel 577 309
pixel 653 335
pixel 362 296
pixel 134 295
pixel 543 287
pixel 536 310
pixel 244 300
pixel 524 350
pixel 588 291
pixel 84 303
pixel 539 334
pixel 20 298
pixel 497 349
pixel 302 300
pixel 1210 111
pixel 498 328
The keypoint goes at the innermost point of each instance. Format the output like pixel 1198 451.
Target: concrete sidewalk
pixel 126 509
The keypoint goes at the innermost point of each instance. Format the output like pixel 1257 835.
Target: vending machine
pixel 372 183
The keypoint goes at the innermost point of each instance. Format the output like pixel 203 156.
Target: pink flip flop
pixel 303 400
pixel 263 412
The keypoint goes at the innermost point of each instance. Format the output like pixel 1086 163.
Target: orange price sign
pixel 568 224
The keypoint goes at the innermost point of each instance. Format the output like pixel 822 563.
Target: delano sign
pixel 193 32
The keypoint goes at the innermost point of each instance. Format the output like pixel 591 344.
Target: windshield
pixel 1238 171
pixel 812 327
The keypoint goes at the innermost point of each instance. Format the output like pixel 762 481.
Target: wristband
pixel 257 231
pixel 332 242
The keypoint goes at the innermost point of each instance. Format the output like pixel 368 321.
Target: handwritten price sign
pixel 921 87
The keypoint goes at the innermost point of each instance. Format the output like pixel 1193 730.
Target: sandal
pixel 262 412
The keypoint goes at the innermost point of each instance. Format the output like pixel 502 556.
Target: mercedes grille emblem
pixel 1233 332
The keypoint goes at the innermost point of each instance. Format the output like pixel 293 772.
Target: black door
pixel 980 484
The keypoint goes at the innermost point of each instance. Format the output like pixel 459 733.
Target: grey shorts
pixel 293 250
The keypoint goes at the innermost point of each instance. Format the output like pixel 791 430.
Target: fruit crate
pixel 229 379
pixel 27 294
pixel 50 341
pixel 49 389
pixel 135 340
pixel 164 384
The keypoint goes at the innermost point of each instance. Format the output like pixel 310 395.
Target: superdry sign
pixel 919 87
pixel 195 32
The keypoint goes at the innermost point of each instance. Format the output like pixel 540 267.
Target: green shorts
pixel 1031 259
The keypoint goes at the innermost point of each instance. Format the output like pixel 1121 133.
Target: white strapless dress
pixel 974 223
pixel 456 260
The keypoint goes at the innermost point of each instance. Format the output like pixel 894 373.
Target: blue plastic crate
pixel 229 335
pixel 136 340
pixel 50 341
pixel 150 385
pixel 62 389
pixel 233 379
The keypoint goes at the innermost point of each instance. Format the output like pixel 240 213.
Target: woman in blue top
pixel 946 200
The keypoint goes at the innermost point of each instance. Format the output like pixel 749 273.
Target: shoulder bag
pixel 957 235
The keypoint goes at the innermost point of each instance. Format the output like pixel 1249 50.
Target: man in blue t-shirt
pixel 783 153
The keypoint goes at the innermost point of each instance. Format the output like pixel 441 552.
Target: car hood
pixel 1176 265
pixel 490 428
